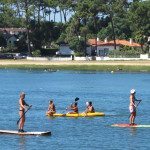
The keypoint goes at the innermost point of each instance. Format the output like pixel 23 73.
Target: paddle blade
pixel 76 99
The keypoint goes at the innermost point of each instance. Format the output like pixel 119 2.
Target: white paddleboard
pixel 24 133
pixel 124 125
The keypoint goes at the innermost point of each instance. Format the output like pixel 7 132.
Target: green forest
pixel 51 22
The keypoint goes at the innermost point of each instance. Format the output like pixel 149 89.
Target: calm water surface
pixel 108 92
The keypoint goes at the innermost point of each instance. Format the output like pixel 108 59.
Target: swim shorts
pixel 132 109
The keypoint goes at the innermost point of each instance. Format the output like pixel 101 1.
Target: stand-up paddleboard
pixel 24 133
pixel 125 125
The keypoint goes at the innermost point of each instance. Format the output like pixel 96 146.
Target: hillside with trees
pixel 76 22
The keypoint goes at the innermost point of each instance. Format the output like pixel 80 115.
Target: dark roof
pixel 7 36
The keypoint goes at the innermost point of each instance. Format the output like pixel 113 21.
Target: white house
pixel 102 48
pixel 64 49
pixel 12 40
pixel 11 35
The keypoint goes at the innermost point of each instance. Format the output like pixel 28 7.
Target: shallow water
pixel 108 92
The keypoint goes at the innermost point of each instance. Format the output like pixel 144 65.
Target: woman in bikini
pixel 22 108
pixel 51 108
pixel 74 108
pixel 89 108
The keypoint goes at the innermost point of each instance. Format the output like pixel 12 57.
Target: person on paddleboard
pixel 89 108
pixel 74 108
pixel 51 108
pixel 132 106
pixel 22 109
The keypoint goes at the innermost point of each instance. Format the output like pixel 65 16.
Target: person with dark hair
pixel 74 108
pixel 51 108
pixel 89 108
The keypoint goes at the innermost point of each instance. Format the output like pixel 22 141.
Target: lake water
pixel 108 92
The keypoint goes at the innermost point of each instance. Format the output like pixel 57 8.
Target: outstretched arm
pixel 27 104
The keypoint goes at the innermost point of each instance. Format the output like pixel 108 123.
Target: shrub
pixel 79 54
pixel 125 51
pixel 48 52
pixel 36 53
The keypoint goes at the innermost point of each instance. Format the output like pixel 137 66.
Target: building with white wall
pixel 64 49
pixel 102 48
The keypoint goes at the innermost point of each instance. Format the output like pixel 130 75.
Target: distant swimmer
pixel 51 108
pixel 89 108
pixel 133 106
pixel 74 108
pixel 22 109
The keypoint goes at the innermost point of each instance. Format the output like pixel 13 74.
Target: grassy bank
pixel 125 66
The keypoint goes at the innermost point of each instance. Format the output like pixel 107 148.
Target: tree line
pixel 78 21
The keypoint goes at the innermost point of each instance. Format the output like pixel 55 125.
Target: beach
pixel 142 65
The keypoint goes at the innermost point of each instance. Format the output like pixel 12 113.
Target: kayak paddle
pixel 76 99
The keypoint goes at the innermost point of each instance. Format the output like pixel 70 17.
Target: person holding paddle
pixel 22 112
pixel 75 101
pixel 133 106
pixel 74 108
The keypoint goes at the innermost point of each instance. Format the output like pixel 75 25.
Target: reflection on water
pixel 22 143
pixel 133 131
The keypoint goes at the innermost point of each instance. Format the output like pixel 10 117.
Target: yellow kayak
pixel 96 114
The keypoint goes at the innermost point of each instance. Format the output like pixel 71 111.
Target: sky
pixel 57 17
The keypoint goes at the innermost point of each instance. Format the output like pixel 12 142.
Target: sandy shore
pixel 109 66
pixel 76 63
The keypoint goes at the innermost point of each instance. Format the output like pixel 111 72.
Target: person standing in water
pixel 132 106
pixel 22 108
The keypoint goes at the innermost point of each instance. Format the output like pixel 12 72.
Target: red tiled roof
pixel 126 43
pixel 111 43
pixel 94 42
